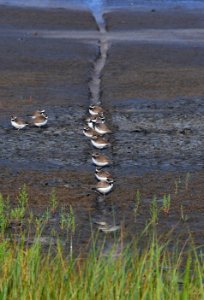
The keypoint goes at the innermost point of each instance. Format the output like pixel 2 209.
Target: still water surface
pixel 99 5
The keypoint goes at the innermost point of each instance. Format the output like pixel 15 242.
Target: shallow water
pixel 100 5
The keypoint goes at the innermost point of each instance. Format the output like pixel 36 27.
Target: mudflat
pixel 46 18
pixel 161 58
pixel 172 17
pixel 152 91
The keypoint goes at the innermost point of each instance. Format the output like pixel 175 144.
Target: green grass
pixel 151 273
pixel 138 270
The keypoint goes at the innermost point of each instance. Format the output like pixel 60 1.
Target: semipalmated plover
pixel 101 128
pixel 99 142
pixel 95 110
pixel 89 122
pixel 98 119
pixel 102 175
pixel 94 119
pixel 100 160
pixel 40 121
pixel 38 113
pixel 89 132
pixel 18 123
pixel 104 187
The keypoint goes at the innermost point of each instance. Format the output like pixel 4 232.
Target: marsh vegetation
pixel 150 266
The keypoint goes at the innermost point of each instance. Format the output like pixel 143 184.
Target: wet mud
pixel 154 17
pixel 154 105
pixel 46 18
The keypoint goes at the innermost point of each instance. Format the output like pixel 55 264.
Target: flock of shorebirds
pixel 95 129
pixel 39 119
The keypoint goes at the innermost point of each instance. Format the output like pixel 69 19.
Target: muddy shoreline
pixel 153 96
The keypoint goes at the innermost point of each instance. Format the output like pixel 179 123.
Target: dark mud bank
pixel 159 135
pixel 147 135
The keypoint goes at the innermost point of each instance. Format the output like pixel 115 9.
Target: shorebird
pixel 89 132
pixel 38 113
pixel 94 119
pixel 18 123
pixel 89 122
pixel 104 187
pixel 40 121
pixel 101 128
pixel 102 175
pixel 99 142
pixel 100 160
pixel 95 110
pixel 98 119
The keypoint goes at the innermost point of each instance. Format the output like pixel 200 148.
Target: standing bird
pixel 89 121
pixel 89 132
pixel 101 128
pixel 100 160
pixel 94 119
pixel 40 121
pixel 98 119
pixel 18 123
pixel 38 113
pixel 104 187
pixel 99 142
pixel 95 110
pixel 102 175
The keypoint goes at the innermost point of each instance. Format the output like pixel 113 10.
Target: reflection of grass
pixel 151 270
